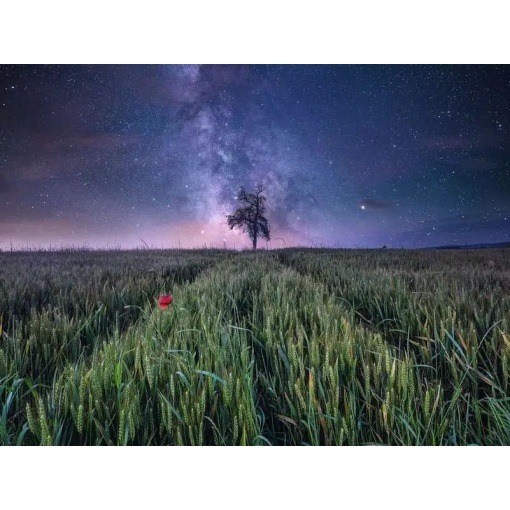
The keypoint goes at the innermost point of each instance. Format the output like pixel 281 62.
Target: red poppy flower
pixel 164 301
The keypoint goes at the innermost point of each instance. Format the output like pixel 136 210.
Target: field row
pixel 283 348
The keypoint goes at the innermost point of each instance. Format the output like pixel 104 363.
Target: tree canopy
pixel 250 215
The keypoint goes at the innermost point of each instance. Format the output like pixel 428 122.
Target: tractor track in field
pixel 360 315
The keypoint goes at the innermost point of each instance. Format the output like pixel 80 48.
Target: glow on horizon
pixel 46 234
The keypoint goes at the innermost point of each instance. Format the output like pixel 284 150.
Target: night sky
pixel 351 156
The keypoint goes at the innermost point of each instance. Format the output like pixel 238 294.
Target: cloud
pixel 459 143
pixel 376 205
pixel 38 232
pixel 6 187
pixel 59 141
pixel 448 143
pixel 468 228
pixel 50 155
pixel 477 164
pixel 100 141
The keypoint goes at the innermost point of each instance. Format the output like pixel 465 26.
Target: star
pixel 402 144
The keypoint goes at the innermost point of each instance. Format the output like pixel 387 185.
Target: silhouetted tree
pixel 250 216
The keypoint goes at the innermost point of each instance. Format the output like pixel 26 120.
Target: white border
pixel 266 31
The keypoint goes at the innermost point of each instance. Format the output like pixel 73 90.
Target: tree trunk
pixel 256 230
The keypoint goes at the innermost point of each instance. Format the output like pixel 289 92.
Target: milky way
pixel 350 156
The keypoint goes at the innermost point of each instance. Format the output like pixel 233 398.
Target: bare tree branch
pixel 250 218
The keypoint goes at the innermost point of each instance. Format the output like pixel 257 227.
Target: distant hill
pixel 506 244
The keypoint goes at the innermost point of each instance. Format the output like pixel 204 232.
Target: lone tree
pixel 250 216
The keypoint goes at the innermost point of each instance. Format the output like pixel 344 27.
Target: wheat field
pixel 284 347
